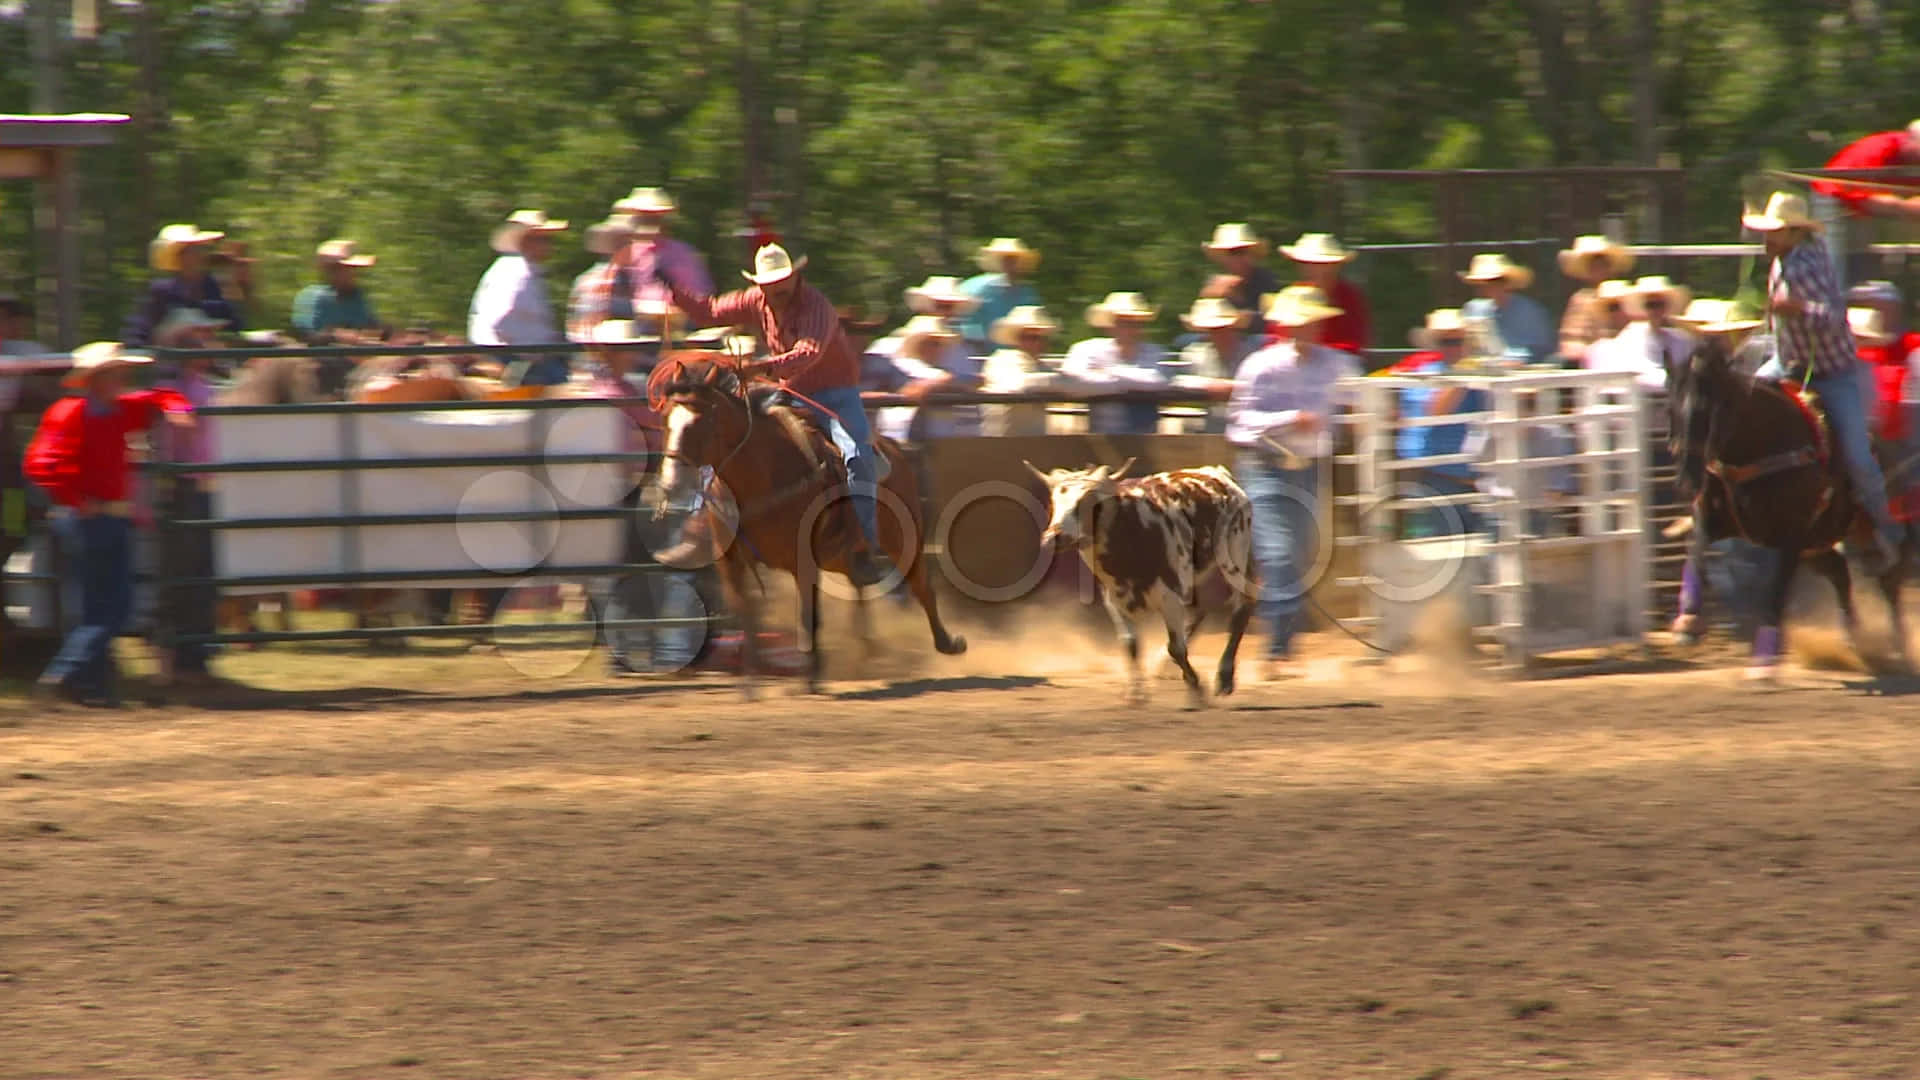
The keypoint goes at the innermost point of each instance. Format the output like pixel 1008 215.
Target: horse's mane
pixel 690 371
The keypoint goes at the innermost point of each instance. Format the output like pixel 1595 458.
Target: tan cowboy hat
pixel 772 264
pixel 343 253
pixel 605 237
pixel 1316 247
pixel 1006 331
pixel 1234 236
pixel 97 357
pixel 1585 249
pixel 1678 296
pixel 1869 325
pixel 646 200
pixel 1298 305
pixel 619 332
pixel 507 235
pixel 923 297
pixel 1709 316
pixel 180 321
pixel 925 327
pixel 1119 305
pixel 163 254
pixel 1495 267
pixel 1003 246
pixel 1616 289
pixel 1785 210
pixel 1214 313
pixel 1439 321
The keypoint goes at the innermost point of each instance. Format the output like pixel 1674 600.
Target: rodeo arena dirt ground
pixel 983 866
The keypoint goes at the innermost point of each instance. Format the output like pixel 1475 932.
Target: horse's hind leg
pixel 1832 565
pixel 921 586
pixel 745 603
pixel 808 585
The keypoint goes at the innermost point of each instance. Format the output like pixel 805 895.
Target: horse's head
pixel 1072 495
pixel 1696 389
pixel 702 399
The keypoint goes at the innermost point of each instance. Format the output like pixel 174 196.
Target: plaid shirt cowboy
pixel 1816 338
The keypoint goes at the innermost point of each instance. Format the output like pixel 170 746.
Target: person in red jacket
pixel 79 456
pixel 1871 208
pixel 1877 316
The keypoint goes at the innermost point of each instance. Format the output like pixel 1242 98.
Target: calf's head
pixel 1074 496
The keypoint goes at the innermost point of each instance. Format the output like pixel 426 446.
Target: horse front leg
pixel 745 602
pixel 1764 665
pixel 1830 564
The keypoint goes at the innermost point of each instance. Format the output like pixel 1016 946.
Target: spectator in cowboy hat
pixel 1590 261
pixel 511 306
pixel 1518 327
pixel 336 307
pixel 1006 263
pixel 188 553
pixel 1123 360
pixel 594 297
pixel 79 457
pixel 932 358
pixel 1242 279
pixel 653 251
pixel 1650 346
pixel 1442 342
pixel 1217 355
pixel 181 253
pixel 1320 258
pixel 1020 366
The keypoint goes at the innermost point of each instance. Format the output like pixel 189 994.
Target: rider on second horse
pixel 808 352
pixel 1815 346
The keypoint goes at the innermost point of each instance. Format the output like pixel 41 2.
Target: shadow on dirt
pixel 912 688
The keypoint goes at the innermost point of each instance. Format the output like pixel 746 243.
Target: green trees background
pixel 893 136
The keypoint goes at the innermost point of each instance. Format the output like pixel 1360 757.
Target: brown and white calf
pixel 1150 543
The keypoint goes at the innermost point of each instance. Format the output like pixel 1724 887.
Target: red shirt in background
pixel 78 454
pixel 1881 151
pixel 1348 330
pixel 1889 366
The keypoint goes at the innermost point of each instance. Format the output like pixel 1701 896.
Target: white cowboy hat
pixel 1298 305
pixel 1214 313
pixel 1439 321
pixel 1003 246
pixel 618 332
pixel 1613 289
pixel 923 297
pixel 924 327
pixel 1677 296
pixel 1234 236
pixel 646 200
pixel 604 237
pixel 1869 325
pixel 1316 247
pixel 1006 331
pixel 1585 249
pixel 1709 316
pixel 507 235
pixel 163 254
pixel 97 357
pixel 1495 267
pixel 343 253
pixel 1119 305
pixel 1785 210
pixel 772 264
pixel 179 321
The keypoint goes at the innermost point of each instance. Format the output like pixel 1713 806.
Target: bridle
pixel 746 407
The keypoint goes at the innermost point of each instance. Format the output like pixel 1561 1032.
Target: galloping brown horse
pixel 789 489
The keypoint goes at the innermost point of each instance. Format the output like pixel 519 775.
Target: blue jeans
pixel 98 561
pixel 547 369
pixel 659 594
pixel 847 425
pixel 1846 396
pixel 1285 535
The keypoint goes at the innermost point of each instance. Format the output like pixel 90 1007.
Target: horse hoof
pixel 1686 629
pixel 1224 685
pixel 955 646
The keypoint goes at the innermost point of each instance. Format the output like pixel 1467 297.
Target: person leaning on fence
pixel 1809 314
pixel 595 296
pixel 1521 330
pixel 1123 360
pixel 1279 424
pixel 1322 260
pixel 1021 366
pixel 336 309
pixel 1651 346
pixel 1442 345
pixel 1242 279
pixel 181 253
pixel 932 359
pixel 1006 263
pixel 511 307
pixel 1208 364
pixel 79 457
pixel 1591 261
pixel 188 553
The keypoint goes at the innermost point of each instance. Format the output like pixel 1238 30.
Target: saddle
pixel 810 435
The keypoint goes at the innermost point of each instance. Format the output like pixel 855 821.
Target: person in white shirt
pixel 1651 346
pixel 933 359
pixel 1021 366
pixel 1122 361
pixel 511 306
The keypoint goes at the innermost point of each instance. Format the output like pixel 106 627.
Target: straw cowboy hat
pixel 619 332
pixel 1677 296
pixel 1298 305
pixel 605 237
pixel 1006 331
pixel 1117 306
pixel 507 235
pixel 1869 325
pixel 925 296
pixel 647 200
pixel 1316 247
pixel 1586 249
pixel 926 328
pixel 1440 321
pixel 89 360
pixel 1496 267
pixel 1785 210
pixel 1614 290
pixel 1214 313
pixel 772 264
pixel 343 253
pixel 163 254
pixel 1707 316
pixel 1875 292
pixel 182 320
pixel 1003 246
pixel 1234 236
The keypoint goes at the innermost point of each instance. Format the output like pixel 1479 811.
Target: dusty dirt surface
pixel 987 870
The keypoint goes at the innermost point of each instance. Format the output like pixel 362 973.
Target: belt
pixel 121 508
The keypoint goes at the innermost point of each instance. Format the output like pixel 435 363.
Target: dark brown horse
pixel 786 482
pixel 1756 468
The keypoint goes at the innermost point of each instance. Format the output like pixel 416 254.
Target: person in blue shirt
pixel 1007 262
pixel 1443 344
pixel 181 254
pixel 1521 329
